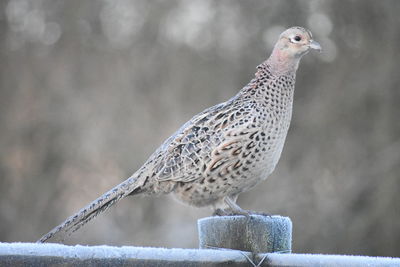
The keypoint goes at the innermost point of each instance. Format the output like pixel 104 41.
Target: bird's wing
pixel 201 145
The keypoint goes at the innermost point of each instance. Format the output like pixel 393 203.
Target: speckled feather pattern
pixel 221 152
pixel 228 148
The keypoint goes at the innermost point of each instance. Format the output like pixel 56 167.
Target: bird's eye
pixel 297 38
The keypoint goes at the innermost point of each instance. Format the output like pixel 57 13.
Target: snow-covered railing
pixel 32 254
pixel 224 241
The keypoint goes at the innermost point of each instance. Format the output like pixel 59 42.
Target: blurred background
pixel 89 89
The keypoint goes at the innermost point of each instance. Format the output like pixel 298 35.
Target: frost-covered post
pixel 256 233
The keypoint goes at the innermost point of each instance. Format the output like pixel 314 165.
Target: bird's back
pixel 228 148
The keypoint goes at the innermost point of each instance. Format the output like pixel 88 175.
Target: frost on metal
pixel 32 254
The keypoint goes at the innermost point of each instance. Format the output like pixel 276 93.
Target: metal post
pixel 256 233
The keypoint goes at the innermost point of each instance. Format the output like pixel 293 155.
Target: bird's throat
pixel 282 62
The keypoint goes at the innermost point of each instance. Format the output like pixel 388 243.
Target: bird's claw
pixel 246 213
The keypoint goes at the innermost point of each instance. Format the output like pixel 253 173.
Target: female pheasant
pixel 223 151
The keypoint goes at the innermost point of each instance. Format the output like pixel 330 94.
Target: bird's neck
pixel 282 63
pixel 271 86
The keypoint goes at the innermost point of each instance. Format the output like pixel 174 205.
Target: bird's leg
pixel 220 212
pixel 231 208
pixel 235 209
pixel 226 207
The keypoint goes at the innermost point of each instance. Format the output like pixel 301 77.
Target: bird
pixel 221 152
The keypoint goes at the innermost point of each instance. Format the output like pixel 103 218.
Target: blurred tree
pixel 89 89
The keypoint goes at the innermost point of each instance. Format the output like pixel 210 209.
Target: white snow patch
pixel 89 252
pixel 188 255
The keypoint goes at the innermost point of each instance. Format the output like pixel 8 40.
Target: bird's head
pixel 296 42
pixel 292 44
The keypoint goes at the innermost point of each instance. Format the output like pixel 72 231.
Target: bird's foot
pixel 221 212
pixel 259 213
pixel 246 213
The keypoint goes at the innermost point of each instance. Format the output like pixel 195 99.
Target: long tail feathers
pixel 73 223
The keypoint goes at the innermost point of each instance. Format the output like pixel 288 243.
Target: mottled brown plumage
pixel 223 151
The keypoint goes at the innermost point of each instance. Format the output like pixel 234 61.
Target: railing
pixel 224 241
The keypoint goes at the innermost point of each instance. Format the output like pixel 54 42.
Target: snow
pixel 187 255
pixel 89 252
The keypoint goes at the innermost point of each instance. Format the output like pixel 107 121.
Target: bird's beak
pixel 315 45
